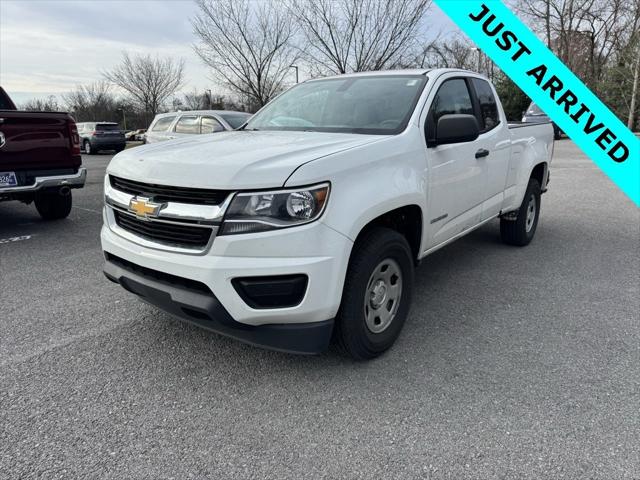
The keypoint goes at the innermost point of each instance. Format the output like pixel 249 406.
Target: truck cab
pixel 306 224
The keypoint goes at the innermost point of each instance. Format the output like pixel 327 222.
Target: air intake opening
pixel 278 291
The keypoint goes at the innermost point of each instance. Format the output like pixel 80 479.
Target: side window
pixel 452 98
pixel 188 124
pixel 488 105
pixel 163 124
pixel 210 125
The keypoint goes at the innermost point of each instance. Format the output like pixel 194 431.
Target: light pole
pixel 124 117
pixel 476 49
pixel 296 67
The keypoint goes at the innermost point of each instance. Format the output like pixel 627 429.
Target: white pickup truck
pixel 306 224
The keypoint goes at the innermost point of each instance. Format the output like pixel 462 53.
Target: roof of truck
pixel 410 71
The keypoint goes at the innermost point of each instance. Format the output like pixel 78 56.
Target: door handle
pixel 483 152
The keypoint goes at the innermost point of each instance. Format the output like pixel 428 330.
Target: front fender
pixel 369 181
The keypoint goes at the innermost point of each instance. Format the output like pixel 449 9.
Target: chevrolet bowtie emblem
pixel 144 208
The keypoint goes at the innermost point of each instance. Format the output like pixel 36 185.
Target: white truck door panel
pixel 457 184
pixel 457 180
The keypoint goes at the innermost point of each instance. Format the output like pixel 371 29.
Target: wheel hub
pixel 378 294
pixel 531 213
pixel 383 294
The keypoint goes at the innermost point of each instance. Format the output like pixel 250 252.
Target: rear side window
pixel 488 105
pixel 162 124
pixel 188 124
pixel 107 127
pixel 211 125
pixel 452 98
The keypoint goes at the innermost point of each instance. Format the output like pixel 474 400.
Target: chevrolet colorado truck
pixel 40 159
pixel 306 224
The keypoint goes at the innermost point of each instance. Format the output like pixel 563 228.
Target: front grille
pixel 162 232
pixel 164 193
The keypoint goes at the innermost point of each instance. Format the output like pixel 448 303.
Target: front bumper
pixel 76 180
pixel 202 308
pixel 314 250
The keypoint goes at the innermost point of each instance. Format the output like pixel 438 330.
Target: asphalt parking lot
pixel 514 363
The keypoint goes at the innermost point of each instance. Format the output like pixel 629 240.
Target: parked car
pixel 167 126
pixel 535 115
pixel 308 221
pixel 139 134
pixel 134 135
pixel 40 159
pixel 97 136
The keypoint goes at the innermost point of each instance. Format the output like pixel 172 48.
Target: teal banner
pixel 553 87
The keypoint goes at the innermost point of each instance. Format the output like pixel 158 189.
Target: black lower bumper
pixel 194 302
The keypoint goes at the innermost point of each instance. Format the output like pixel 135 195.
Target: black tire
pixel 520 231
pixel 52 205
pixel 352 333
pixel 119 149
pixel 88 150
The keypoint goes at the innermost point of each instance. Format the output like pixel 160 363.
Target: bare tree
pixel 447 53
pixel 247 45
pixel 357 35
pixel 48 104
pixel 597 40
pixel 92 102
pixel 150 81
pixel 583 33
pixel 195 101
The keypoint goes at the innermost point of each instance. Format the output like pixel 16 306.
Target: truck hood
pixel 231 160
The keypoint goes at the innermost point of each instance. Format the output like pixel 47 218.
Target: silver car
pixel 167 126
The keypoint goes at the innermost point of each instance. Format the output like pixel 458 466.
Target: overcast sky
pixel 50 46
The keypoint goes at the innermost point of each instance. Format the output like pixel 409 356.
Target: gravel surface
pixel 514 363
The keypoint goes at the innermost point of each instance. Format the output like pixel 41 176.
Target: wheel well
pixel 538 173
pixel 405 220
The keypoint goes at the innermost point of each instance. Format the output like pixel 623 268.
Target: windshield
pixel 378 105
pixel 534 110
pixel 234 121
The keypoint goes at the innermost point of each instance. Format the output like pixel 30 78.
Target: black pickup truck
pixel 40 158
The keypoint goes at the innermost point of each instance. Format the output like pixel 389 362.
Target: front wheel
pixel 53 205
pixel 520 231
pixel 377 294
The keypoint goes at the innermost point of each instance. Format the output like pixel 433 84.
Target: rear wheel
pixel 520 231
pixel 53 205
pixel 377 294
pixel 87 147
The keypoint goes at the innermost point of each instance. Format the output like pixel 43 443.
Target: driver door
pixel 456 178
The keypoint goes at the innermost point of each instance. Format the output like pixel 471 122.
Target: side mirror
pixel 456 128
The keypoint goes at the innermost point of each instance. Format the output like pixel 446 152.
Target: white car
pixel 168 126
pixel 308 222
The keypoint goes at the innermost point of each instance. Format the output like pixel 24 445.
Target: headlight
pixel 263 211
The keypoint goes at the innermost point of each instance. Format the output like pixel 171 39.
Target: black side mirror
pixel 456 128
